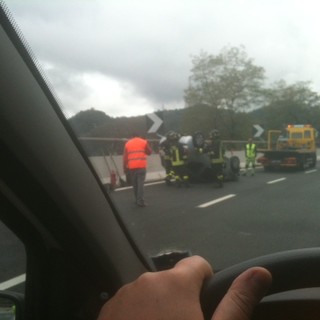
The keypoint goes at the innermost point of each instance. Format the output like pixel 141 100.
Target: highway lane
pixel 257 215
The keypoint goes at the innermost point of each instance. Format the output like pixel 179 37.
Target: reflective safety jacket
pixel 178 155
pixel 216 153
pixel 165 151
pixel 251 150
pixel 135 153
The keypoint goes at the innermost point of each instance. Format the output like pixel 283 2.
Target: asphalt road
pixel 255 216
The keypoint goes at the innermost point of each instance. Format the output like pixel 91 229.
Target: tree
pixel 203 123
pixel 296 104
pixel 84 122
pixel 298 92
pixel 228 81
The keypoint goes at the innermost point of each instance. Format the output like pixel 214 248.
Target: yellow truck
pixel 294 148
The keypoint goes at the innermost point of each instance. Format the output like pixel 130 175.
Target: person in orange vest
pixel 135 155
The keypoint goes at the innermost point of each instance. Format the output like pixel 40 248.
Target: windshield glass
pixel 296 135
pixel 212 86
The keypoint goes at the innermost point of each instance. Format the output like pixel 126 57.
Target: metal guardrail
pixel 114 146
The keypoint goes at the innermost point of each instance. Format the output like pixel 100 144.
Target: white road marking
pixel 210 203
pixel 123 188
pixel 276 181
pixel 311 171
pixel 146 185
pixel 13 282
pixel 153 183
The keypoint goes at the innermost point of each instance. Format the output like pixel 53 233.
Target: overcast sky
pixel 132 57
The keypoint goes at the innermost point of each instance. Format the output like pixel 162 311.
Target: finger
pixel 195 268
pixel 244 294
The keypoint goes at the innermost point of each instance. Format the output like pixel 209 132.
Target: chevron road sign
pixel 258 130
pixel 156 122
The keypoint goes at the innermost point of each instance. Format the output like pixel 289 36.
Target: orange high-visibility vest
pixel 135 153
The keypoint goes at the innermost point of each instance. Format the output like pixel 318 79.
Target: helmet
pixel 171 136
pixel 214 134
pixel 198 139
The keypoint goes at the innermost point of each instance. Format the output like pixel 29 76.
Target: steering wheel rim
pixel 293 269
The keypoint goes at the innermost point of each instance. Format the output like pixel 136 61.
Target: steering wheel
pixel 294 269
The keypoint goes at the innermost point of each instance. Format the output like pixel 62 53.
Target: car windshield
pixel 213 87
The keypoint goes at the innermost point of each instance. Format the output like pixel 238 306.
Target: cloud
pixel 95 90
pixel 120 53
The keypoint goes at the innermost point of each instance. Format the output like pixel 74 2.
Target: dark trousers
pixel 217 170
pixel 138 176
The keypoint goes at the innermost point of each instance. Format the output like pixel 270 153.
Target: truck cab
pixel 301 137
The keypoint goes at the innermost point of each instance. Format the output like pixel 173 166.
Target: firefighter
pixel 216 153
pixel 198 142
pixel 166 158
pixel 178 156
pixel 251 154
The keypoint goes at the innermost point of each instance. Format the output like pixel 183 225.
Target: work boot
pixel 141 204
pixel 220 181
pixel 186 181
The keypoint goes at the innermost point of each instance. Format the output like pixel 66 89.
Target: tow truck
pixel 296 148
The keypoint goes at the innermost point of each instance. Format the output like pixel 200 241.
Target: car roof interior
pixel 51 197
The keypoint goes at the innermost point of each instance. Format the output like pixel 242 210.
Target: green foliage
pixel 84 122
pixel 299 93
pixel 173 120
pixel 228 81
pixel 225 92
pixel 196 118
pixel 225 87
pixel 122 127
pixel 289 104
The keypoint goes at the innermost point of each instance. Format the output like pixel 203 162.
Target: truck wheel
pixel 235 164
pixel 314 161
pixel 302 163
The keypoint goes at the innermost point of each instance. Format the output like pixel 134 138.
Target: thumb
pixel 244 294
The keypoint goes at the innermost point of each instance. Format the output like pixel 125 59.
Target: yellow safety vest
pixel 251 150
pixel 176 156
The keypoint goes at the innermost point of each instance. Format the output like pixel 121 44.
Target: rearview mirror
pixel 11 305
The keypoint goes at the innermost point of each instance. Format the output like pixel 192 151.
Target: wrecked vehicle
pixel 199 159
